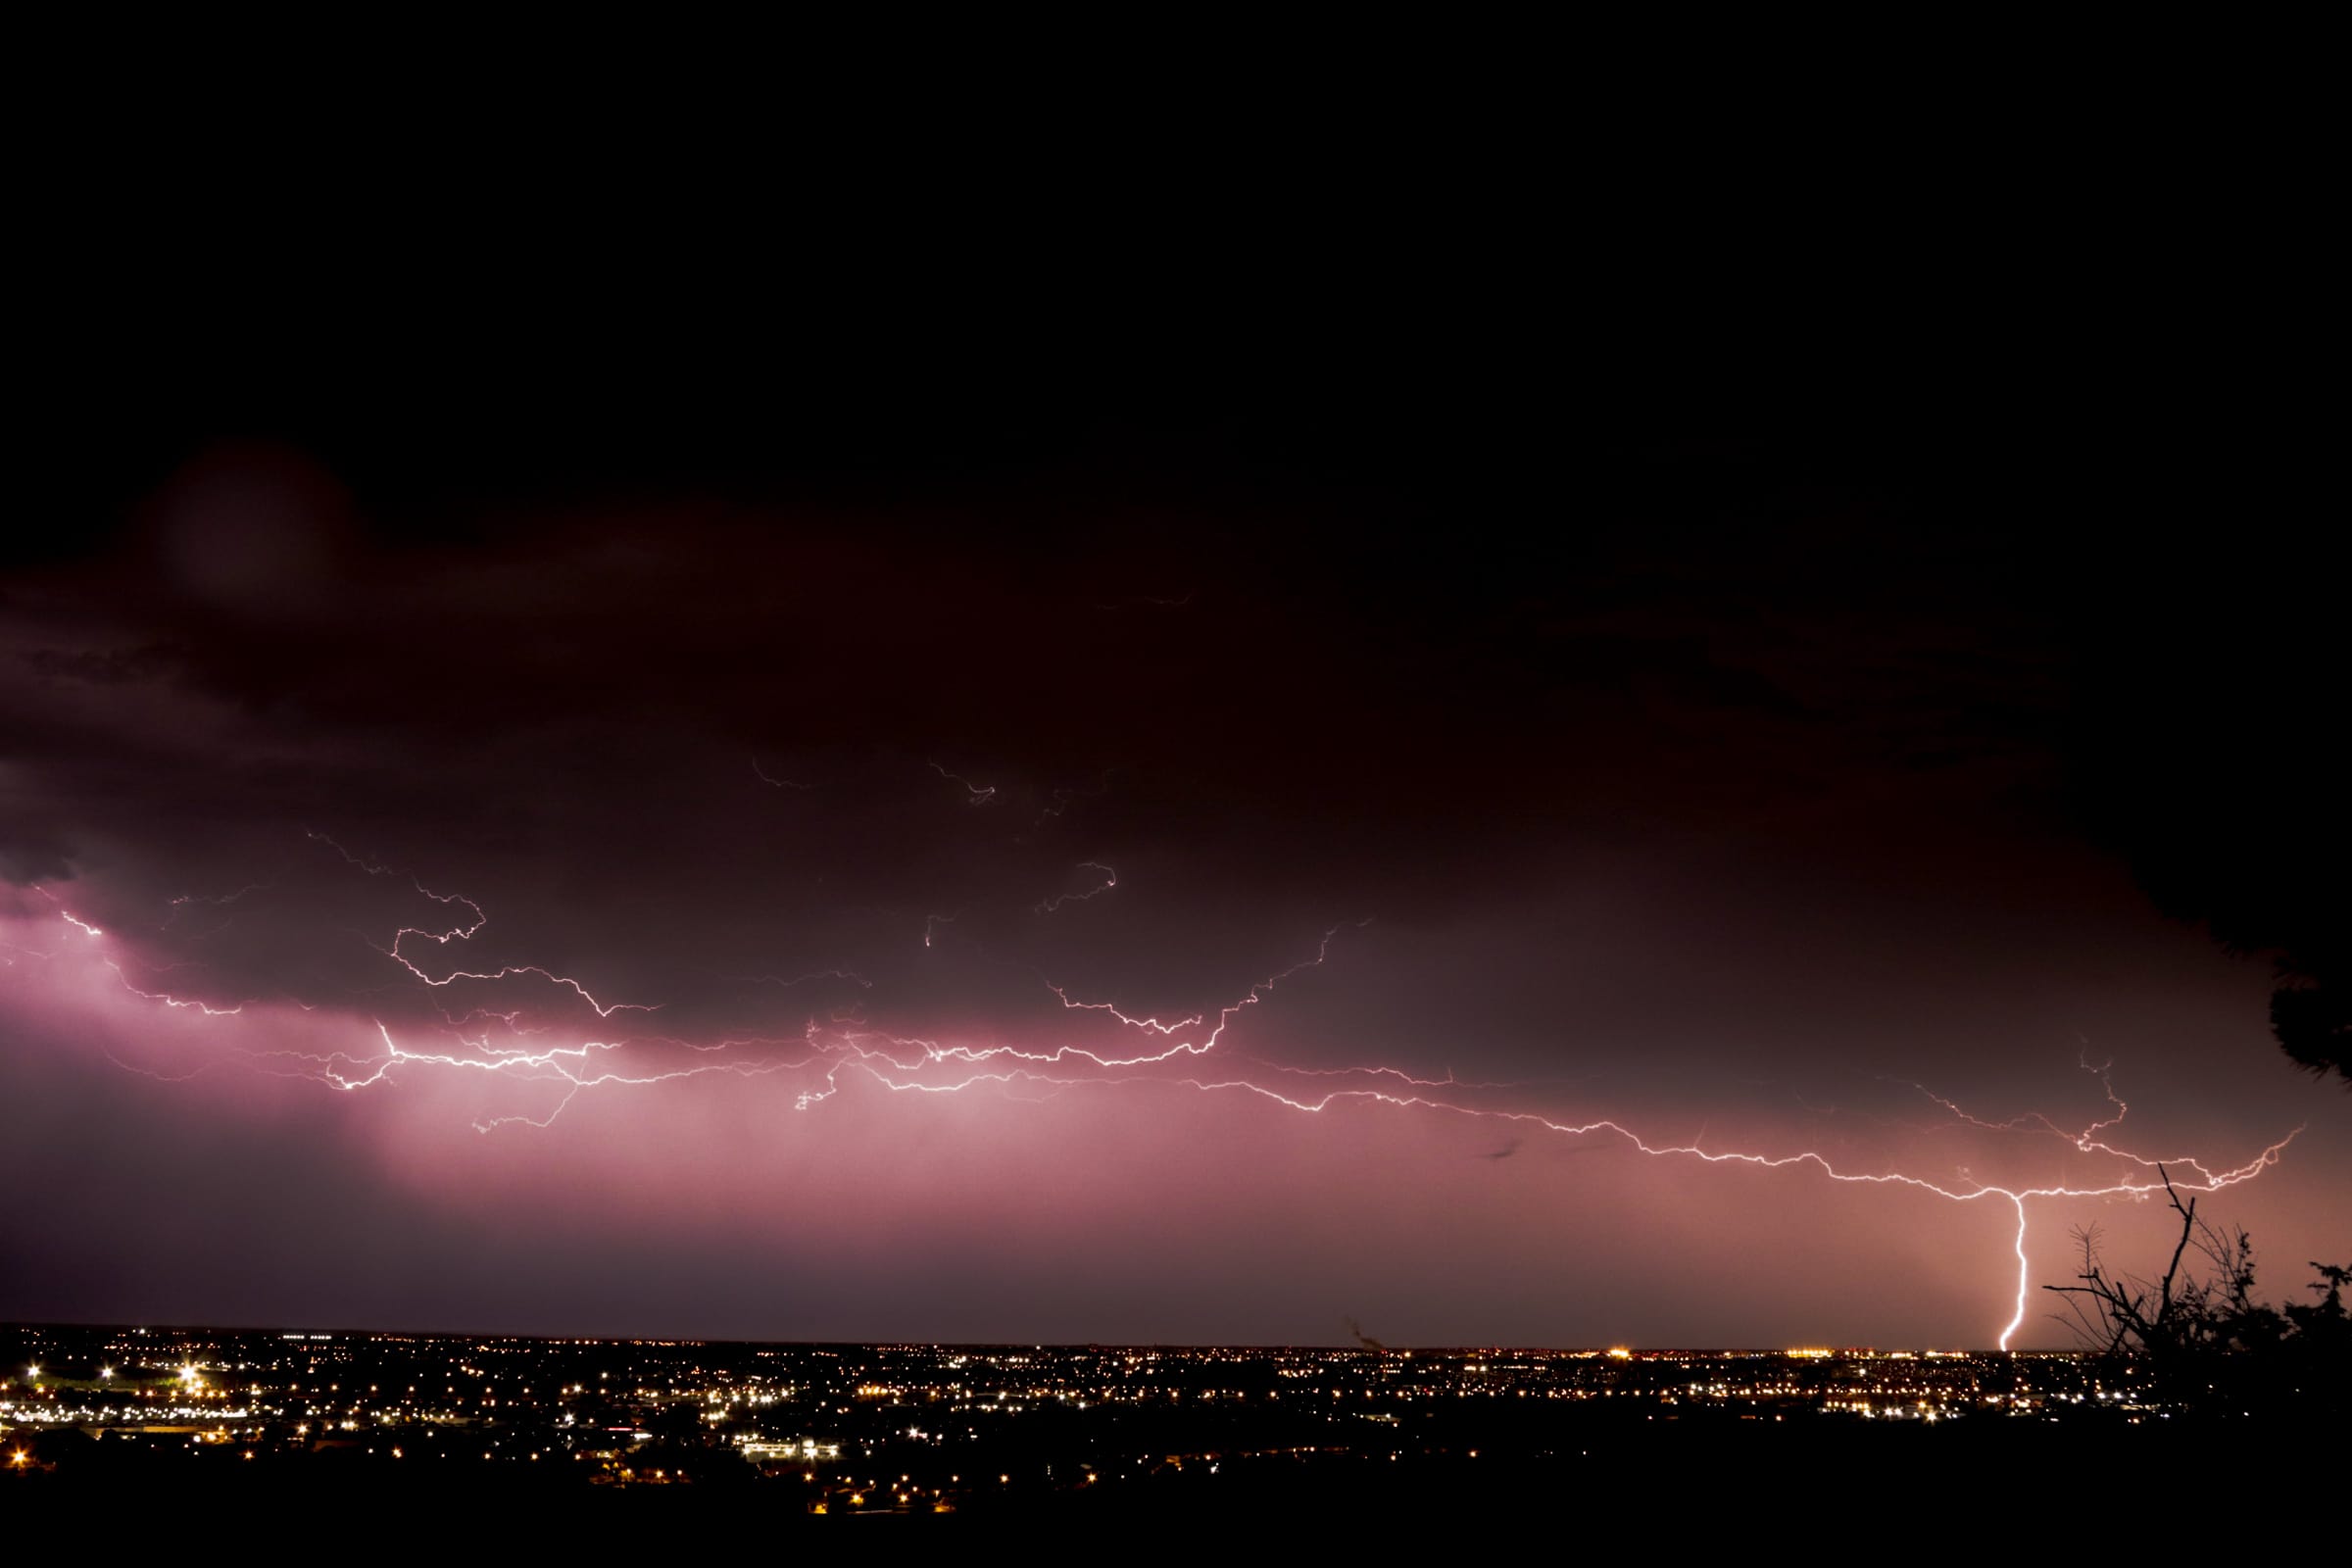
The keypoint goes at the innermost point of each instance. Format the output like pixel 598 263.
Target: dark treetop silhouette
pixel 2214 1348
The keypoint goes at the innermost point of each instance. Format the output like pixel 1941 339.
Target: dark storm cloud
pixel 1701 710
pixel 1378 716
pixel 1643 758
pixel 28 859
pixel 108 666
pixel 1348 679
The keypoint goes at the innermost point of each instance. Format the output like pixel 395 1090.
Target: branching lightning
pixel 974 794
pixel 1140 1049
pixel 1110 879
pixel 465 931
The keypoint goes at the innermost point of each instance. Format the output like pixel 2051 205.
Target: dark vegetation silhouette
pixel 2209 1347
pixel 2209 666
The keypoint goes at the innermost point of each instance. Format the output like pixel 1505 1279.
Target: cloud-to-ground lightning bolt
pixel 1168 1052
pixel 2208 1180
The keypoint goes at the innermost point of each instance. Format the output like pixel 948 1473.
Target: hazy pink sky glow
pixel 1039 1166
pixel 860 869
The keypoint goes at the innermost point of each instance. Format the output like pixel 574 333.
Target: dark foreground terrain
pixel 487 1440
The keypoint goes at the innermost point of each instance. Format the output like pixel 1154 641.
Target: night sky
pixel 1156 827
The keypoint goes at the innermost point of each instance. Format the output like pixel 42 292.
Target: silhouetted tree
pixel 2211 1348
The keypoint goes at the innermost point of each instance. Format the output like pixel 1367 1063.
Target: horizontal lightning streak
pixel 1110 879
pixel 974 794
pixel 917 1065
pixel 464 931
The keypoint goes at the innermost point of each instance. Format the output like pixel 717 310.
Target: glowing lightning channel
pixel 171 1001
pixel 464 931
pixel 2210 1181
pixel 1110 879
pixel 976 794
pixel 824 1051
pixel 219 901
pixel 71 917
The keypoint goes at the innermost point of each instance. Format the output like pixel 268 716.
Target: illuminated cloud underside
pixel 504 1030
pixel 1185 915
